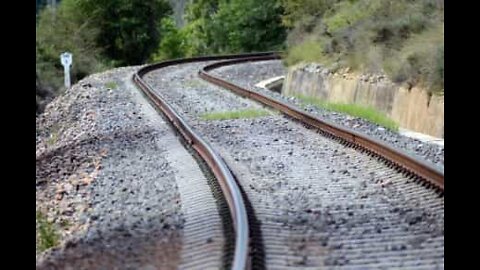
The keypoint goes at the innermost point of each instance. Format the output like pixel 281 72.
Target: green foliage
pixel 248 113
pixel 63 30
pixel 128 29
pixel 420 60
pixel 111 85
pixel 47 237
pixel 367 113
pixel 247 25
pixel 173 42
pixel 197 32
pixel 349 13
pixel 221 26
pixel 99 33
pixel 403 38
pixel 308 51
pixel 301 13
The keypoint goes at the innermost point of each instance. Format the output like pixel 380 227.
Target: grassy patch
pixel 308 51
pixel 248 113
pixel 195 83
pixel 350 12
pixel 111 85
pixel 52 139
pixel 367 113
pixel 47 237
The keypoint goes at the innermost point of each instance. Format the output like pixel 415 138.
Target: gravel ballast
pixel 318 203
pixel 124 193
pixel 258 71
pixel 112 169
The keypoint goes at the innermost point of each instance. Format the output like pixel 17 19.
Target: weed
pixel 193 83
pixel 47 237
pixel 248 113
pixel 309 51
pixel 52 139
pixel 367 113
pixel 111 85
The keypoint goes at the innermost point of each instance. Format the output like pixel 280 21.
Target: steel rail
pixel 230 189
pixel 404 162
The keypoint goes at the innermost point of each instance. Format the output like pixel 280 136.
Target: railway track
pixel 363 205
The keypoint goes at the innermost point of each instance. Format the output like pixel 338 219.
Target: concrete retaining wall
pixel 412 109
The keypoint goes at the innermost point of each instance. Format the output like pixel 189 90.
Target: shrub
pixel 308 51
pixel 128 29
pixel 420 60
pixel 402 38
pixel 220 26
pixel 58 31
pixel 173 43
pixel 47 237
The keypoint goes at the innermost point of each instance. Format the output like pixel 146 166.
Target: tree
pixel 248 25
pixel 222 26
pixel 197 32
pixel 129 29
pixel 172 44
pixel 64 30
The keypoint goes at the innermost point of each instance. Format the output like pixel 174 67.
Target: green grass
pixel 193 83
pixel 248 113
pixel 111 85
pixel 52 139
pixel 367 113
pixel 403 39
pixel 47 237
pixel 350 12
pixel 308 51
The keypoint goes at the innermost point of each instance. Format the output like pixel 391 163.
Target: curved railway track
pixel 403 172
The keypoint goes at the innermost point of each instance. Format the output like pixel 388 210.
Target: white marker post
pixel 66 59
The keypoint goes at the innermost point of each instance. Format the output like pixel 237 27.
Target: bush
pixel 61 30
pixel 309 51
pixel 301 13
pixel 128 29
pixel 220 26
pixel 401 38
pixel 47 236
pixel 173 42
pixel 420 60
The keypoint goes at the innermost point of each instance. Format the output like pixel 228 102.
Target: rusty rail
pixel 230 189
pixel 394 157
pixel 404 162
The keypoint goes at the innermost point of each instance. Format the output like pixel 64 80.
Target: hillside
pixel 401 38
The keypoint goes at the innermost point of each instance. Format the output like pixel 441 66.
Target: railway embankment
pixel 115 188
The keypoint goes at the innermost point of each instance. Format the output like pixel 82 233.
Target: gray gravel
pixel 110 166
pixel 108 169
pixel 319 203
pixel 120 219
pixel 257 71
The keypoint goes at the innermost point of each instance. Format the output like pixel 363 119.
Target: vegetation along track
pixel 315 202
